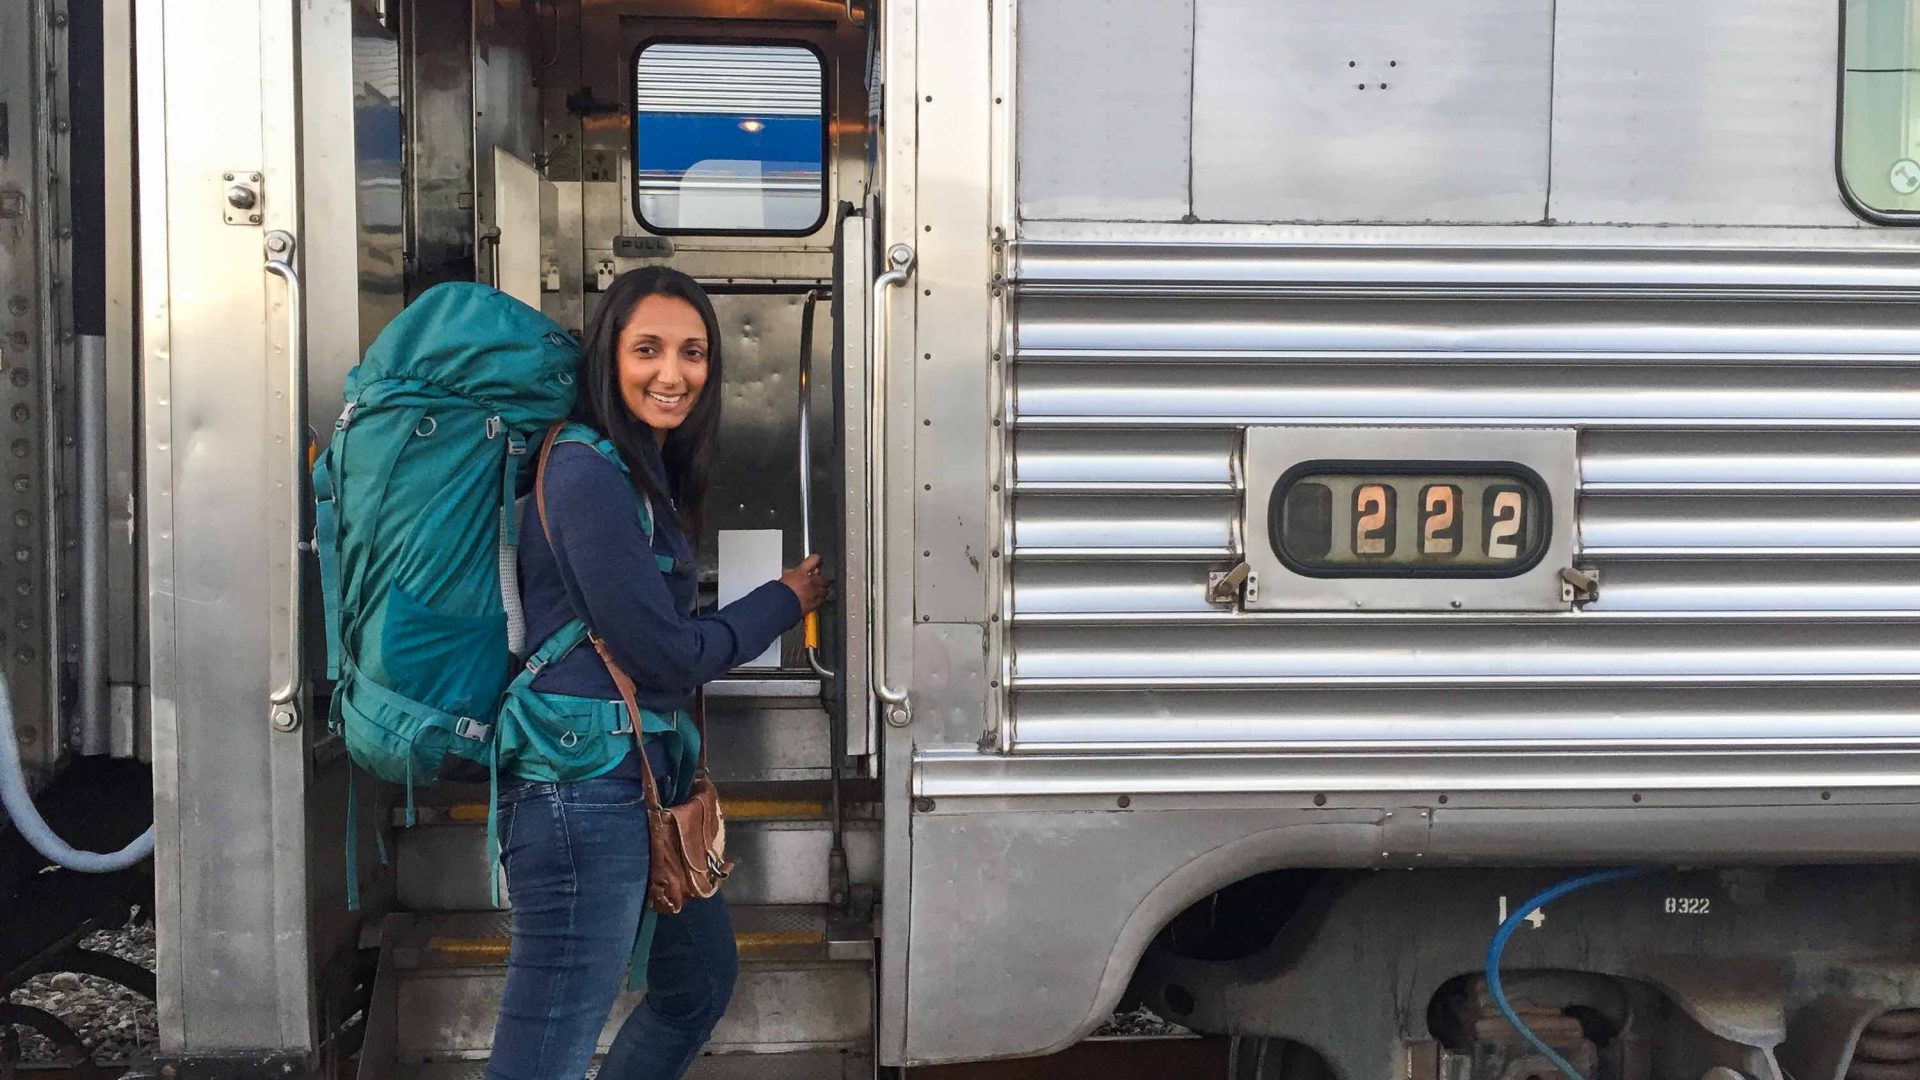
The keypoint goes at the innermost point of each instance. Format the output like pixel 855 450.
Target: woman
pixel 576 852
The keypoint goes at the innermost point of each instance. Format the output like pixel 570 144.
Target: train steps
pixel 803 1005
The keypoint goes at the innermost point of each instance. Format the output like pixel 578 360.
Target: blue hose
pixel 1499 945
pixel 19 806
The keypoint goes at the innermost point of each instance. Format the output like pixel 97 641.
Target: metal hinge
pixel 1579 586
pixel 998 282
pixel 1223 586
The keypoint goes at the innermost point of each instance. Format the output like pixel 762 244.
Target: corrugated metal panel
pixel 1750 462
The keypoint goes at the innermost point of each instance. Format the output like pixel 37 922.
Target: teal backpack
pixel 416 530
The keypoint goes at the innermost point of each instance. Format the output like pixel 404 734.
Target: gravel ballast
pixel 116 1023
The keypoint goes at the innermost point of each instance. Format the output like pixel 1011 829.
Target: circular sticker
pixel 1905 176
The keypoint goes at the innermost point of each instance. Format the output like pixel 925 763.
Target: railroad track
pixel 1122 1057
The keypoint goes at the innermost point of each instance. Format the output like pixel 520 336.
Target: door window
pixel 729 138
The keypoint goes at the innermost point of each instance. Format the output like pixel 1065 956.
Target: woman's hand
pixel 807 584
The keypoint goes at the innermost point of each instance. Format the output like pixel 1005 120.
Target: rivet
pixel 923 804
pixel 22 555
pixel 28 736
pixel 21 483
pixel 21 448
pixel 24 655
pixel 1319 800
pixel 226 176
pixel 1124 801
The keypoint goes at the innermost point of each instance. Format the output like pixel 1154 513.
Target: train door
pixel 546 149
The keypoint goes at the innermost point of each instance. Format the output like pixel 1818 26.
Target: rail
pixel 286 698
pixel 899 711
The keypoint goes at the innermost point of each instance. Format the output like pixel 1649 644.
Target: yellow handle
pixel 813 630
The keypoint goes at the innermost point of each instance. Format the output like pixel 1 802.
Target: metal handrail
pixel 286 699
pixel 899 712
pixel 811 636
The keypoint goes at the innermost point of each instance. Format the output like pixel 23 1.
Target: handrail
pixel 899 711
pixel 286 699
pixel 811 635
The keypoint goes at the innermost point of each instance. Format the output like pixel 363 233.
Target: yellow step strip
pixel 494 950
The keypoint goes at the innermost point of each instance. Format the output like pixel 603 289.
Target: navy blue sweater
pixel 600 568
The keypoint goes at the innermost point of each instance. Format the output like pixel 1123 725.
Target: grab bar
pixel 811 631
pixel 899 711
pixel 286 699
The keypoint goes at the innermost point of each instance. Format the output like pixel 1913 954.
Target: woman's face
pixel 663 361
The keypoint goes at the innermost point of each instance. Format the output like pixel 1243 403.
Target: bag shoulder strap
pixel 620 677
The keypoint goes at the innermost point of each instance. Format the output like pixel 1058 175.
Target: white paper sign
pixel 749 558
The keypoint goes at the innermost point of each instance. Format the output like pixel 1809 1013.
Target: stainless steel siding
pixel 1750 493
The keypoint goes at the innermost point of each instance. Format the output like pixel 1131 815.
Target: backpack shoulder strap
pixel 575 432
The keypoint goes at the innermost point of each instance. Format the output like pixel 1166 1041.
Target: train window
pixel 1880 109
pixel 729 138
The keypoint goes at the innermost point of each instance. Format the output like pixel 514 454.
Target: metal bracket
pixel 1223 586
pixel 241 197
pixel 1579 586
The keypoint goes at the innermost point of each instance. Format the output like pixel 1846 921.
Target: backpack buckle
pixel 495 425
pixel 516 444
pixel 469 728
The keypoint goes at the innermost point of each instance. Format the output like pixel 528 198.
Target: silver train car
pixel 1302 479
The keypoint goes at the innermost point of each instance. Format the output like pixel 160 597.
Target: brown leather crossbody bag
pixel 688 842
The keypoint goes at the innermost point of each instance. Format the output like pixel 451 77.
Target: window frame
pixel 1859 207
pixel 826 132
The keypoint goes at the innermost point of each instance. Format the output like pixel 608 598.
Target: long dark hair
pixel 689 449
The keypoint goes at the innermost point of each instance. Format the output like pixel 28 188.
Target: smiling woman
pixel 608 559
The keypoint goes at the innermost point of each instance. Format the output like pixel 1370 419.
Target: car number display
pixel 1368 518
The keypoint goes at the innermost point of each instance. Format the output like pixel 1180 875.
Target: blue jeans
pixel 576 861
